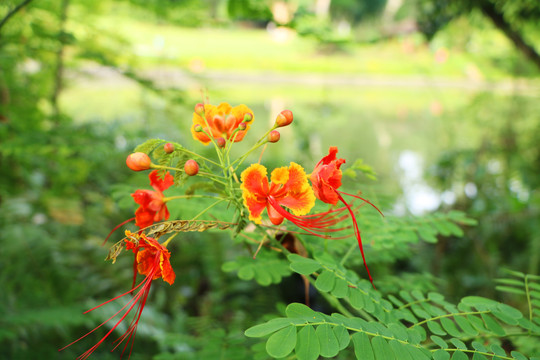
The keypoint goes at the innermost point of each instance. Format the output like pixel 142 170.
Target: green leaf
pixel 302 265
pixel 518 356
pixel 479 346
pixel 440 342
pixel 479 302
pixel 246 272
pixel 465 325
pixel 307 344
pixel 399 331
pixel 418 353
pixel 514 273
pixel 493 325
pixel 327 340
pixel 435 328
pixel 281 343
pixel 267 328
pixel 356 298
pixel 459 355
pixel 297 310
pixel 341 288
pixel 262 276
pixel 400 350
pixel 427 234
pixel 342 336
pixel 450 327
pixel 511 290
pixel 441 355
pixel 458 344
pixel 325 281
pixel 518 283
pixel 478 356
pixel 496 349
pixel 381 349
pixel 362 347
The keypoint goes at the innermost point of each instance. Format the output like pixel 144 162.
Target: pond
pixel 398 126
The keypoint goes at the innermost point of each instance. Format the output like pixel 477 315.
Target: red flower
pixel 152 207
pixel 289 187
pixel 152 260
pixel 326 179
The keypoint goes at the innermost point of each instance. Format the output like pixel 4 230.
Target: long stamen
pixel 357 233
pixel 364 200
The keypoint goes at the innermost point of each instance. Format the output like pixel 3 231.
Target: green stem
pixel 450 315
pixel 347 254
pixel 208 208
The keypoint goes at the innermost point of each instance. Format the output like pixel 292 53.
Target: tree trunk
pixel 489 9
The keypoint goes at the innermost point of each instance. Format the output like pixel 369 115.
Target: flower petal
pixel 158 183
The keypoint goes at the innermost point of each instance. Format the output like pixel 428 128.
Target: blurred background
pixel 439 97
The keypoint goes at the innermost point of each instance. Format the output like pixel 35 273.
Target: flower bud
pixel 284 118
pixel 198 128
pixel 191 167
pixel 199 109
pixel 221 142
pixel 242 126
pixel 273 136
pixel 138 161
pixel 248 117
pixel 168 148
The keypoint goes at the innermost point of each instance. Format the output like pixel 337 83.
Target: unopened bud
pixel 168 148
pixel 198 128
pixel 273 136
pixel 248 117
pixel 138 161
pixel 242 126
pixel 221 142
pixel 199 109
pixel 284 118
pixel 191 167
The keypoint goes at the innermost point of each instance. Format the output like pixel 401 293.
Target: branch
pixel 13 12
pixel 489 9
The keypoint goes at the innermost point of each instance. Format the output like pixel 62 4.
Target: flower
pixel 288 187
pixel 152 259
pixel 152 206
pixel 221 121
pixel 326 179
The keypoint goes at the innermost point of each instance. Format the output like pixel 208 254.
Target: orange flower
pixel 152 260
pixel 326 179
pixel 221 121
pixel 152 207
pixel 288 187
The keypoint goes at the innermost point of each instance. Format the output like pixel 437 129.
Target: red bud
pixel 138 161
pixel 191 167
pixel 199 109
pixel 284 118
pixel 273 136
pixel 168 148
pixel 221 142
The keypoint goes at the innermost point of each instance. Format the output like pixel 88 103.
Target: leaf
pixel 267 328
pixel 493 325
pixel 307 344
pixel 325 281
pixel 341 288
pixel 465 325
pixel 400 350
pixel 362 347
pixel 399 331
pixel 509 289
pixel 342 336
pixel 458 344
pixel 440 342
pixel 356 299
pixel 435 328
pixel 281 343
pixel 518 355
pixel 418 353
pixel 478 346
pixel 327 340
pixel 496 349
pixel 459 355
pixel 441 355
pixel 302 265
pixel 297 310
pixel 450 327
pixel 381 349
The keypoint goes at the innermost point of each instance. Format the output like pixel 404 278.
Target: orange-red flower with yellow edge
pixel 326 179
pixel 152 260
pixel 221 121
pixel 152 207
pixel 289 187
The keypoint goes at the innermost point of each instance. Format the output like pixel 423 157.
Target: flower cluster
pixel 289 194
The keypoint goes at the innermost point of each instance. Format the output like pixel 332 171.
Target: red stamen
pixel 116 228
